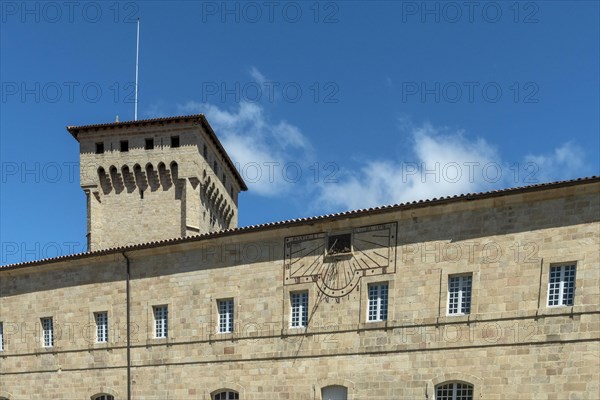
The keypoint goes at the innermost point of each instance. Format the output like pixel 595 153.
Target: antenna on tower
pixel 137 57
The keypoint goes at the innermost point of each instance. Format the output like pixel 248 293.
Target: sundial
pixel 336 261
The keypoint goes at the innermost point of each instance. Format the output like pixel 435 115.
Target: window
pixel 339 244
pixel 378 302
pixel 103 397
pixel 226 395
pixel 299 302
pixel 225 315
pixel 174 141
pixel 48 332
pixel 1 337
pixel 101 327
pixel 334 392
pixel 454 391
pixel 216 167
pixel 124 145
pixel 99 148
pixel 224 179
pixel 161 323
pixel 149 145
pixel 561 286
pixel 459 294
pixel 205 152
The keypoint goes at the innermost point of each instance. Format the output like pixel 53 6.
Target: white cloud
pixel 257 75
pixel 564 162
pixel 444 163
pixel 261 149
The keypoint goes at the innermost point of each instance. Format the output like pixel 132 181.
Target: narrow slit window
pixel 99 148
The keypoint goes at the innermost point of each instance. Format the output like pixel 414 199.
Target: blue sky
pixel 324 106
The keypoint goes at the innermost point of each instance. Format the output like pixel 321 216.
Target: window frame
pixel 461 303
pixel 299 302
pixel 454 389
pixel 226 392
pixel 102 327
pixel 47 332
pixel 378 304
pixel 226 315
pixel 161 321
pixel 563 299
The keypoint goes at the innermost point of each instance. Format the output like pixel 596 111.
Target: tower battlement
pixel 155 179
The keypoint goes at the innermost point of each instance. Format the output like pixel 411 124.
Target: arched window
pixel 103 397
pixel 226 395
pixel 454 391
pixel 334 392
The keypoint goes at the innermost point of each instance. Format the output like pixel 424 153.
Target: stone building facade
pixel 478 296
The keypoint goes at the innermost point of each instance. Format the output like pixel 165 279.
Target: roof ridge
pixel 251 228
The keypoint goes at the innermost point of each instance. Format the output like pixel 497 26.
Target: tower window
pixel 149 144
pixel 174 141
pixel 124 145
pixel 99 148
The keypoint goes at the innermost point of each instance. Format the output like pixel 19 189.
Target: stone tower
pixel 155 179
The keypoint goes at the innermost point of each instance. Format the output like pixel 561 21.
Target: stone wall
pixel 511 345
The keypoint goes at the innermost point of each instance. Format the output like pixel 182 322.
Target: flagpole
pixel 137 56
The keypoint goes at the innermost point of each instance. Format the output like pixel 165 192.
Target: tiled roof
pixel 76 130
pixel 300 221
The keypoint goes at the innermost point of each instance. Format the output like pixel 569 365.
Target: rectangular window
pixel 161 322
pixel 299 303
pixel 124 145
pixel 149 145
pixel 101 327
pixel 225 315
pixel 216 168
pixel 205 152
pixel 99 148
pixel 561 286
pixel 48 332
pixel 459 294
pixel 1 337
pixel 224 179
pixel 378 302
pixel 174 141
pixel 339 244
